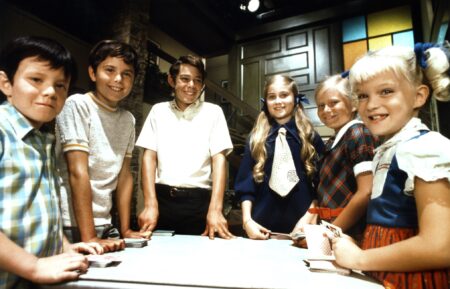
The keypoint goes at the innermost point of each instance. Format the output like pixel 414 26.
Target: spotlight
pixel 253 5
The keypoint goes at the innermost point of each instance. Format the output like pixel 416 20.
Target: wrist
pixel 361 262
pixel 245 222
pixel 31 269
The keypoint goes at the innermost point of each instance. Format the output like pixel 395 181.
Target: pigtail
pixel 437 71
pixel 434 60
pixel 258 139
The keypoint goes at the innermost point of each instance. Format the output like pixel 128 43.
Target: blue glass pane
pixel 442 32
pixel 354 29
pixel 404 38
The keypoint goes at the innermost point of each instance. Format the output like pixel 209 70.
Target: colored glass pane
pixel 354 29
pixel 442 32
pixel 389 21
pixel 352 51
pixel 380 42
pixel 404 38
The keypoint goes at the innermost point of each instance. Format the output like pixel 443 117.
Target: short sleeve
pixel 360 148
pixel 73 126
pixel 220 139
pixel 147 137
pixel 245 186
pixel 426 157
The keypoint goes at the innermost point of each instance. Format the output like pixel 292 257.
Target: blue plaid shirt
pixel 29 190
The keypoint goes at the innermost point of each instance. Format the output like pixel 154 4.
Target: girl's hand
pixel 346 251
pixel 299 242
pixel 255 231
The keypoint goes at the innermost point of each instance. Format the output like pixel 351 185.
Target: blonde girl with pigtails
pixel 274 198
pixel 406 241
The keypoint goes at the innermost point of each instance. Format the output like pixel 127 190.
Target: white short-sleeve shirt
pixel 185 141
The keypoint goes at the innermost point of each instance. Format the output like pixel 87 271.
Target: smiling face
pixel 188 85
pixel 334 109
pixel 387 102
pixel 113 80
pixel 280 101
pixel 37 91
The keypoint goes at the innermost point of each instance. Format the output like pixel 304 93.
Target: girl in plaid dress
pixel 345 176
pixel 405 244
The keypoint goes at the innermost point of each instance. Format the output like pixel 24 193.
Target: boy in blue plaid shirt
pixel 34 76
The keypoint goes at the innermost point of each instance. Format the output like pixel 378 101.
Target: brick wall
pixel 131 27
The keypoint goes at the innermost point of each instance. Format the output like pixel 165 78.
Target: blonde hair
pixel 262 127
pixel 338 83
pixel 402 62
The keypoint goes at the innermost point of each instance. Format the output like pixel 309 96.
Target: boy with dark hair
pixel 35 73
pixel 186 141
pixel 97 140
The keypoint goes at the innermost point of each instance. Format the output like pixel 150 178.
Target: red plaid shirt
pixel 347 155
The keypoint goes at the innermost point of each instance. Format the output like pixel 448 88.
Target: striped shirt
pixel 29 192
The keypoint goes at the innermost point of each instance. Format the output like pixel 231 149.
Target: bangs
pixel 399 60
pixel 370 66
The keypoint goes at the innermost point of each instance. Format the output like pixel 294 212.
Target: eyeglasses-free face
pixel 188 85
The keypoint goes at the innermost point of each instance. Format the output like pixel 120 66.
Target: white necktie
pixel 284 176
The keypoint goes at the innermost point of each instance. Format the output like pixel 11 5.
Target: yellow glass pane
pixel 380 42
pixel 352 51
pixel 389 21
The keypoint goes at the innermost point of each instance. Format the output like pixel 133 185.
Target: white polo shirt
pixel 185 141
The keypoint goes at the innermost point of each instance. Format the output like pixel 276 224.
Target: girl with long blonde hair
pixel 263 209
pixel 406 241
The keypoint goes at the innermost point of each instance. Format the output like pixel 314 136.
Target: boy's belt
pixel 326 213
pixel 179 192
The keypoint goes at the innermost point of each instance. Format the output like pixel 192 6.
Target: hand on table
pixel 148 219
pixel 300 242
pixel 109 245
pixel 137 234
pixel 59 268
pixel 255 231
pixel 93 248
pixel 217 224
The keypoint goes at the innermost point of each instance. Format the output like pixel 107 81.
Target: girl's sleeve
pixel 245 186
pixel 426 157
pixel 360 149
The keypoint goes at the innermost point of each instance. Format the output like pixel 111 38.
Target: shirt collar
pixel 102 104
pixel 18 121
pixel 290 127
pixel 410 130
pixel 343 130
pixel 190 112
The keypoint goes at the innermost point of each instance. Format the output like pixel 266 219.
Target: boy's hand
pixel 109 245
pixel 255 231
pixel 216 224
pixel 148 219
pixel 137 234
pixel 59 268
pixel 86 248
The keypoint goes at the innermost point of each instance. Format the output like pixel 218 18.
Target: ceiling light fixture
pixel 253 5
